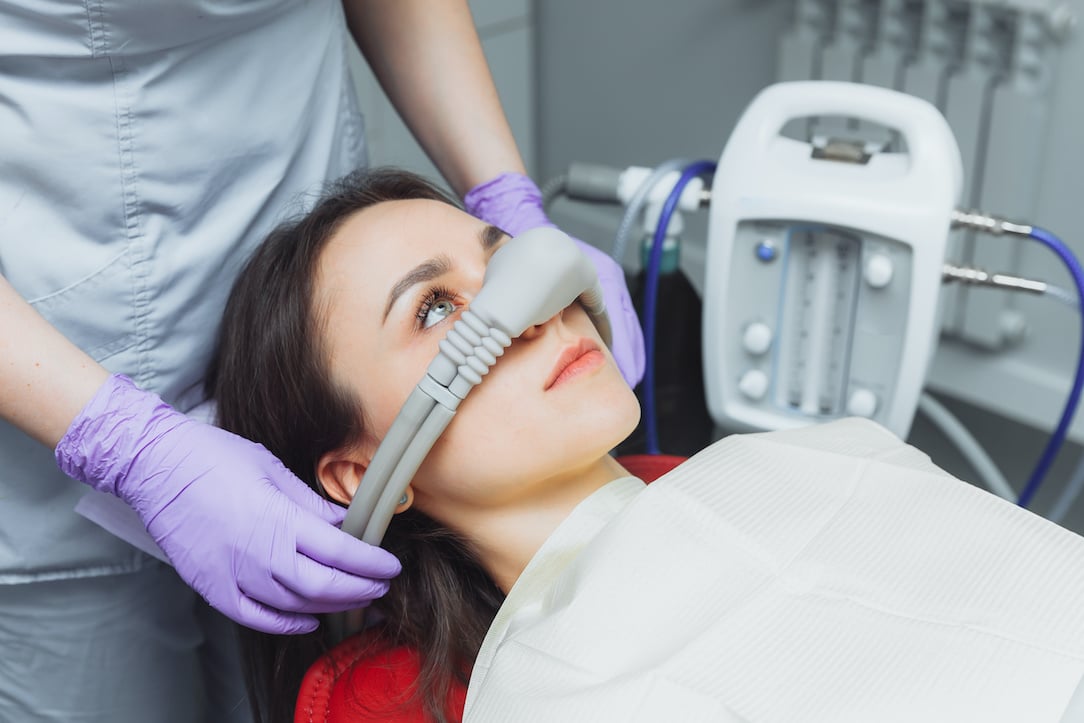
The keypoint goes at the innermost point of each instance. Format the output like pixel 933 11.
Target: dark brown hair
pixel 270 376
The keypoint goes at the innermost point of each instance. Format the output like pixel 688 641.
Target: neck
pixel 505 543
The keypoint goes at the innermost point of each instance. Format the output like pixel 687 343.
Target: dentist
pixel 145 147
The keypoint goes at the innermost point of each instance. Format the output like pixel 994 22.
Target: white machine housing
pixel 823 275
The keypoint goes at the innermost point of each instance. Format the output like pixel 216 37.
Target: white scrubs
pixel 825 574
pixel 146 146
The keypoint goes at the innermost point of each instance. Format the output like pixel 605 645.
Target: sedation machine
pixel 832 215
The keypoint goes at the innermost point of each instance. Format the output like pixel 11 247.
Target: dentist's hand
pixel 243 531
pixel 513 202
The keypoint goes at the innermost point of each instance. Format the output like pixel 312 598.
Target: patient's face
pixel 392 282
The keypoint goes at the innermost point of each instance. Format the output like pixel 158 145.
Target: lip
pixel 569 357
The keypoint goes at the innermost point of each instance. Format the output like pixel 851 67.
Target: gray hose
pixel 1068 495
pixel 636 204
pixel 1069 298
pixel 969 447
pixel 553 188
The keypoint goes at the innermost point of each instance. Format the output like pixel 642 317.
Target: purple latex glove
pixel 513 202
pixel 243 531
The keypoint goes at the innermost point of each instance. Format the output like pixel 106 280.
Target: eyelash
pixel 432 296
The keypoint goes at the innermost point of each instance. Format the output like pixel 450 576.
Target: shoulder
pixel 364 679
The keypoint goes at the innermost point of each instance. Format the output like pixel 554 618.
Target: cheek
pixel 479 458
pixel 384 385
pixel 482 445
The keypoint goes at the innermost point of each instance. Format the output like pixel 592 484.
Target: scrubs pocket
pixel 97 312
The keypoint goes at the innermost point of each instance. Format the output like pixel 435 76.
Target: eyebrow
pixel 490 237
pixel 436 267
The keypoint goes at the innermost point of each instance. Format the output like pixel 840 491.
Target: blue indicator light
pixel 766 251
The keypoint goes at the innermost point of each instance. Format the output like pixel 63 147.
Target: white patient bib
pixel 824 574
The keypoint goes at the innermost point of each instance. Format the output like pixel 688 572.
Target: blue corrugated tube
pixel 651 292
pixel 1058 437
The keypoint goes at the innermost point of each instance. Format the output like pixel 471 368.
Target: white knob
pixel 754 384
pixel 879 271
pixel 862 403
pixel 757 338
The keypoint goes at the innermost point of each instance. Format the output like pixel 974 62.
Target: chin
pixel 616 421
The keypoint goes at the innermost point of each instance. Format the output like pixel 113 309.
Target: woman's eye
pixel 438 311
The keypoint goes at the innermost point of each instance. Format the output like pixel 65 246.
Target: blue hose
pixel 1053 445
pixel 651 292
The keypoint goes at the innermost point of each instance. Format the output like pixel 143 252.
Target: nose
pixel 536 330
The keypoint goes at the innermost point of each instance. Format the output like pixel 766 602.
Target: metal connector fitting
pixel 978 277
pixel 979 221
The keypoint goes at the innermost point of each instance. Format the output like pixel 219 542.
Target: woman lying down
pixel 826 574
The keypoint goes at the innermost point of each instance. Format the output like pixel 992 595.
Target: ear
pixel 340 475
